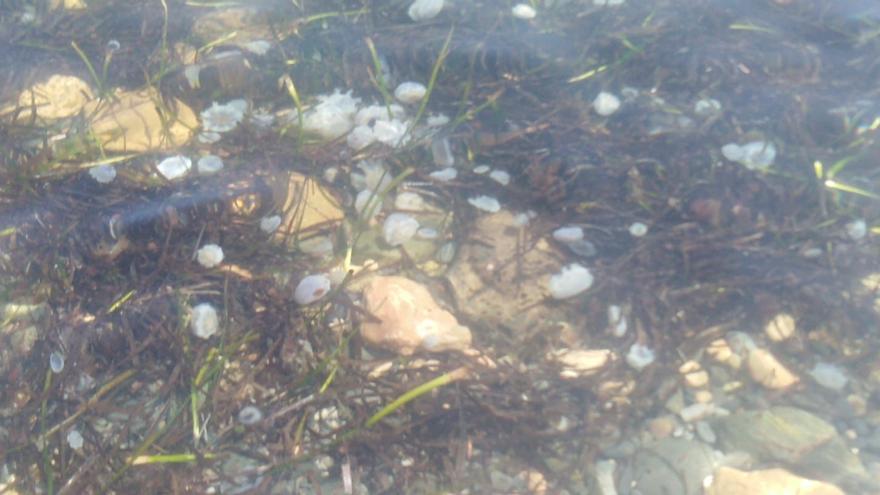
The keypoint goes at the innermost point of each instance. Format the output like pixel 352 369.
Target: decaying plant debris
pixel 110 270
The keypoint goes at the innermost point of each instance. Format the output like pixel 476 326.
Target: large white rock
pixel 410 319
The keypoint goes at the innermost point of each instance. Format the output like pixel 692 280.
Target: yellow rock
pixel 578 363
pixel 58 97
pixel 729 481
pixel 138 121
pixel 306 208
pixel 765 369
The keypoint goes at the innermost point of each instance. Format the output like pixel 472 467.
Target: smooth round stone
pixel 638 229
pixel 606 104
pixel 209 164
pixel 485 203
pixel 422 10
pixel 568 234
pixel 410 92
pixel 56 362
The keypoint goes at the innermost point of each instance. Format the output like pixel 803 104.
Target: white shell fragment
pixel 707 106
pixel 399 228
pixel 754 155
pixel 500 176
pixel 174 167
pixel 481 169
pixel 422 10
pixel 204 321
pixel 103 174
pixel 571 281
pixel 606 104
pixel 410 92
pixel 638 229
pixel 209 164
pixel 829 376
pixel 75 439
pixel 56 362
pixel 311 288
pixel 857 229
pixel 616 321
pixel 523 11
pixel 221 118
pixel 270 224
pixel 568 234
pixel 639 356
pixel 444 174
pixel 485 203
pixel 210 255
pixel 333 116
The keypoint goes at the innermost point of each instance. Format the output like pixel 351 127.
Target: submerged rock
pixel 729 481
pixel 410 319
pixel 133 121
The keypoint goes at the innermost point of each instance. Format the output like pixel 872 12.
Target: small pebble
pixel 829 376
pixel 500 176
pixel 524 11
pixel 311 288
pixel 210 255
pixel 250 415
pixel 56 362
pixel 485 203
pixel 410 92
pixel 270 224
pixel 857 229
pixel 75 439
pixel 399 228
pixel 606 104
pixel 638 229
pixel 174 167
pixel 423 10
pixel 572 280
pixel 639 356
pixel 568 234
pixel 482 169
pixel 204 321
pixel 444 175
pixel 103 174
pixel 209 164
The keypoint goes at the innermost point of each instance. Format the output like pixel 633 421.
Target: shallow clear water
pixel 715 283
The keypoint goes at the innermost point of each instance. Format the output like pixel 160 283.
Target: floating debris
pixel 204 320
pixel 210 255
pixel 572 280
